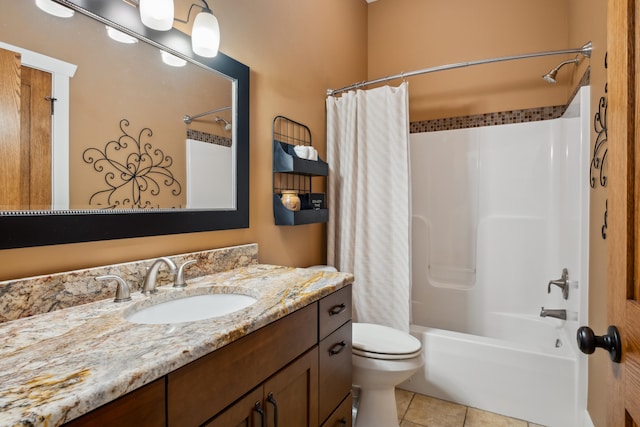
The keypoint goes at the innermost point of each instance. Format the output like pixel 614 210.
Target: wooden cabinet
pixel 287 399
pixel 144 407
pixel 296 369
pixel 334 351
pixel 203 388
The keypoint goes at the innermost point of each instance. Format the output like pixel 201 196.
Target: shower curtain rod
pixel 585 51
pixel 187 118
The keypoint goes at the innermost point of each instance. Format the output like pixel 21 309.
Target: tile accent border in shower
pixel 498 118
pixel 208 137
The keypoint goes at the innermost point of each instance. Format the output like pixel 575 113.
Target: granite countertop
pixel 57 366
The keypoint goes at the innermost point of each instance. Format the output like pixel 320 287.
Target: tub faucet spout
pixel 558 314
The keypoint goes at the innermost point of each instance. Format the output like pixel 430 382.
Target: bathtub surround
pixel 486 345
pixel 37 295
pixel 368 194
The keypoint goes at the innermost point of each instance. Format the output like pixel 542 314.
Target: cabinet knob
pixel 337 309
pixel 337 348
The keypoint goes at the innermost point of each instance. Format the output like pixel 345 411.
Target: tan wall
pixel 588 19
pixel 407 35
pixel 294 58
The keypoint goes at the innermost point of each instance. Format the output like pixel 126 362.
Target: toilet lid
pixel 371 340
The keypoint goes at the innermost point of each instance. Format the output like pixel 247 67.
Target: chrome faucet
pixel 180 282
pixel 558 314
pixel 149 283
pixel 123 292
pixel 562 283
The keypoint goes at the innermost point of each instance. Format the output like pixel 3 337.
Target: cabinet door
pixel 334 369
pixel 247 412
pixel 291 395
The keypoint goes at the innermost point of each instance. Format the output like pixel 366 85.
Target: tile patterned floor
pixel 416 410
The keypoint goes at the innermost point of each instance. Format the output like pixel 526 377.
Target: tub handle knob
pixel 588 342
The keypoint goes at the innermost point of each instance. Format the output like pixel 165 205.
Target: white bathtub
pixel 532 378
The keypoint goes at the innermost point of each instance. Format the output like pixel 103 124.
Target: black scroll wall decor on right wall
pixel 598 169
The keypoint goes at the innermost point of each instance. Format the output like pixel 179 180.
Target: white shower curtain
pixel 368 199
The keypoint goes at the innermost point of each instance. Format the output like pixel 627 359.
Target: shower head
pixel 227 125
pixel 550 77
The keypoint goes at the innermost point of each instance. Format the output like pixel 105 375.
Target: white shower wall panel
pixel 521 216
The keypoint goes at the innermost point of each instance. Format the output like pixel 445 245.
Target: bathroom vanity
pixel 287 356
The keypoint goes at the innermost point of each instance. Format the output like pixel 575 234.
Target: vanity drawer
pixel 334 370
pixel 334 311
pixel 201 389
pixel 342 416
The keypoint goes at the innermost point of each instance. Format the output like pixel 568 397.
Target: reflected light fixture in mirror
pixel 54 9
pixel 157 14
pixel 172 60
pixel 119 36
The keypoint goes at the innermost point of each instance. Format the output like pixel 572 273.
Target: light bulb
pixel 157 14
pixel 205 37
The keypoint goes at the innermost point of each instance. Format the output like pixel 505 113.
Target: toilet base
pixel 377 408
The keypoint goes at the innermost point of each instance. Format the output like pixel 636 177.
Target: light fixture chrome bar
pixel 188 119
pixel 584 50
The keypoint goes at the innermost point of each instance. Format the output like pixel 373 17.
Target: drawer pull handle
pixel 337 309
pixel 272 400
pixel 258 408
pixel 342 421
pixel 336 349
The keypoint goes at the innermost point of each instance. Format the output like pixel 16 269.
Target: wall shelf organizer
pixel 292 172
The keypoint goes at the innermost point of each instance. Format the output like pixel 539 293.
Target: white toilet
pixel 382 358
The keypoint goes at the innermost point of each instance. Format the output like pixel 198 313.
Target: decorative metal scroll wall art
pixel 134 172
pixel 598 172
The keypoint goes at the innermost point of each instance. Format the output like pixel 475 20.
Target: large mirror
pixel 138 147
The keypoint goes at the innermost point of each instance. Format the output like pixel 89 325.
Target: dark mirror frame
pixel 38 228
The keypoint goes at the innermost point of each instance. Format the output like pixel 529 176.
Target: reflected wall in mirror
pixel 123 161
pixel 126 143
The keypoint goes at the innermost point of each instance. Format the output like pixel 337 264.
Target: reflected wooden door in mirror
pixel 119 82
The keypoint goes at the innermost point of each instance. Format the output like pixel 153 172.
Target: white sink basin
pixel 190 309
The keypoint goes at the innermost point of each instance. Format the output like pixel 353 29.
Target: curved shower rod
pixel 188 119
pixel 584 50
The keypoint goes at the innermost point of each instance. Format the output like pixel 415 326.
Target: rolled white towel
pixel 302 151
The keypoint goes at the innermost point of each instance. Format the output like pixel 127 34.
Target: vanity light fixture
pixel 172 60
pixel 119 36
pixel 205 34
pixel 157 14
pixel 54 9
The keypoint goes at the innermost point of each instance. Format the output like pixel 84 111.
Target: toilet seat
pixel 382 342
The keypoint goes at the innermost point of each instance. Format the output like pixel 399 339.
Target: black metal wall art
pixel 134 172
pixel 598 170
